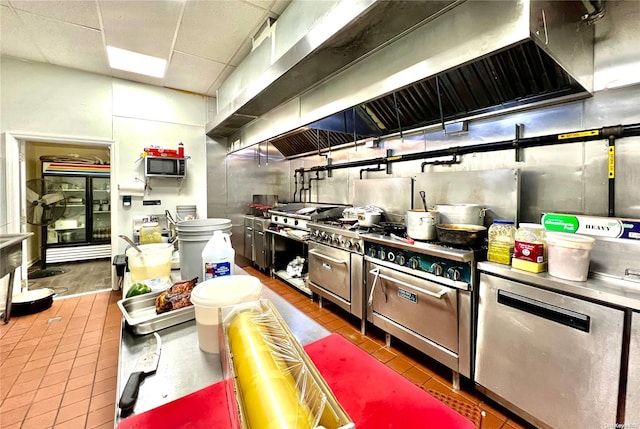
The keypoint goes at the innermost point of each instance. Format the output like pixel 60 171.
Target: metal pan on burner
pixel 459 234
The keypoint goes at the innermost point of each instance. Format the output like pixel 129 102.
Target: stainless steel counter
pixel 10 260
pixel 601 289
pixel 183 368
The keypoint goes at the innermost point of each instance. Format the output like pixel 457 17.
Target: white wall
pixel 59 102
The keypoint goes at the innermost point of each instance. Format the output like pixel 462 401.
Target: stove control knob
pixel 349 244
pixel 358 246
pixel 391 257
pixel 401 260
pixel 454 274
pixel 382 255
pixel 372 252
pixel 436 269
pixel 295 222
pixel 414 263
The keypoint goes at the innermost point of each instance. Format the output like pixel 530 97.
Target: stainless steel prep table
pixel 183 368
pixel 601 289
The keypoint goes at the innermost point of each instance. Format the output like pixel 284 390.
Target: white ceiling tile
pixel 264 4
pixel 147 27
pixel 60 43
pixel 278 7
pixel 192 73
pixel 16 41
pixel 215 29
pixel 79 12
pixel 221 78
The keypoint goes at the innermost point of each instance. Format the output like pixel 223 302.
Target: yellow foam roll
pixel 270 397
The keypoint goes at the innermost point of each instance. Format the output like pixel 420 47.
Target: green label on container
pixel 589 225
pixel 560 223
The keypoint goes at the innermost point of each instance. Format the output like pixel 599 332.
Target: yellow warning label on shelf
pixel 394 158
pixel 612 162
pixel 579 134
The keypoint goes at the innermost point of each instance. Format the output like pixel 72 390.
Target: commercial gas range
pixel 290 232
pixel 426 295
pixel 335 267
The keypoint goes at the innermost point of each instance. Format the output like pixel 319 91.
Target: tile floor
pixel 78 277
pixel 59 367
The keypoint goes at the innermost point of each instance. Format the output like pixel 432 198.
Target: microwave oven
pixel 161 166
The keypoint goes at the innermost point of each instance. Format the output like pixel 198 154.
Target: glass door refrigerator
pixel 83 231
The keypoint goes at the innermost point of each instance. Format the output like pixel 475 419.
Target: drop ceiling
pixel 203 41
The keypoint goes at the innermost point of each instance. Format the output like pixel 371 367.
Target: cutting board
pixel 374 396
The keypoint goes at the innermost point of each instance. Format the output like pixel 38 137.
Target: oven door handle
pixel 438 295
pixel 328 258
pixel 376 273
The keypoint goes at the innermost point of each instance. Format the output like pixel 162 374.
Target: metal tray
pixel 140 314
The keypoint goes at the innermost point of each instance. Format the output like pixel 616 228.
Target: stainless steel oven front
pixel 431 316
pixel 336 274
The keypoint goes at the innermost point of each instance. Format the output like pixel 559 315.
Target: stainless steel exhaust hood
pixel 474 58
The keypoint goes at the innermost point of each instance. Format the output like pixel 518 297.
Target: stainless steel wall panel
pixel 615 257
pixel 216 181
pixel 245 177
pixel 391 194
pixel 498 190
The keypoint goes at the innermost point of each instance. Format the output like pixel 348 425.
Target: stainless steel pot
pixel 368 219
pixel 421 225
pixel 470 214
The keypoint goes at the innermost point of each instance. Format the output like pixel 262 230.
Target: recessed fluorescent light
pixel 122 59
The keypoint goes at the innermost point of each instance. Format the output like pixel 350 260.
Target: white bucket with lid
pixel 207 298
pixel 569 255
pixel 193 236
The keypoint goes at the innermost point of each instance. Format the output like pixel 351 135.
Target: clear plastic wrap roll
pixel 276 389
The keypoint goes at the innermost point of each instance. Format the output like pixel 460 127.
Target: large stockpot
pixel 421 225
pixel 469 214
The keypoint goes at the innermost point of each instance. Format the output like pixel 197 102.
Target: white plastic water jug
pixel 217 256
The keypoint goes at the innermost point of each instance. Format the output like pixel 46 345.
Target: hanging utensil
pixel 131 243
pixel 424 200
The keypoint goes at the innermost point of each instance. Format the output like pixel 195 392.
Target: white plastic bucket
pixel 186 212
pixel 152 266
pixel 207 298
pixel 193 236
pixel 569 255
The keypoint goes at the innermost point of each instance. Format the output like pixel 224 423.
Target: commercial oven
pixel 552 358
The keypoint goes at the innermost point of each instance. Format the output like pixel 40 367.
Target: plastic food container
pixel 152 266
pixel 209 296
pixel 501 241
pixel 569 255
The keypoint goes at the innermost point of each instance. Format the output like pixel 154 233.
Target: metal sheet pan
pixel 140 314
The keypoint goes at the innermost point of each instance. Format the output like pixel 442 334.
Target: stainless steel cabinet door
pixel 632 413
pixel 248 243
pixel 554 357
pixel 330 269
pixel 260 249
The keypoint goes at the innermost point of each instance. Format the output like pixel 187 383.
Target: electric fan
pixel 45 204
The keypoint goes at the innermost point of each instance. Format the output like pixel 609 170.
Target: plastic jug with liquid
pixel 217 256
